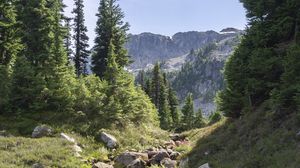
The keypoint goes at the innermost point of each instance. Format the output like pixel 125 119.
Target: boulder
pixel 68 138
pixel 184 163
pixel 177 137
pixel 37 165
pixel 206 165
pixel 127 158
pixel 101 165
pixel 41 131
pixel 152 153
pixel 162 154
pixel 168 163
pixel 298 135
pixel 109 140
pixel 174 155
pixel 137 163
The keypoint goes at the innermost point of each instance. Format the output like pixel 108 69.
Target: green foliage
pixel 81 39
pixel 110 29
pixel 215 117
pixel 264 60
pixel 9 47
pixel 188 113
pixel 199 121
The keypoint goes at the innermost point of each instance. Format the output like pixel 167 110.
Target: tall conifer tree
pixel 110 28
pixel 81 39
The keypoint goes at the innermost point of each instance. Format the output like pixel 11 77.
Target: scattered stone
pixel 178 143
pixel 206 165
pixel 137 163
pixel 184 163
pixel 206 153
pixel 177 137
pixel 66 137
pixel 162 154
pixel 41 131
pixel 3 133
pixel 169 151
pixel 168 163
pixel 37 165
pixel 102 165
pixel 298 135
pixel 152 153
pixel 174 155
pixel 111 141
pixel 170 143
pixel 127 158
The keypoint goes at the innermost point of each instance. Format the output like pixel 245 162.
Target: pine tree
pixel 157 82
pixel 188 112
pixel 9 47
pixel 199 120
pixel 148 87
pixel 47 76
pixel 174 109
pixel 68 39
pixel 110 28
pixel 164 108
pixel 81 39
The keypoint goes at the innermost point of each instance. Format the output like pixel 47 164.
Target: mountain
pixel 195 60
pixel 201 74
pixel 146 49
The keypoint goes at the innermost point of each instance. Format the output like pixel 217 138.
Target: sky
pixel 168 17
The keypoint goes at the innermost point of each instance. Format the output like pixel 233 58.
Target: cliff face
pixel 195 59
pixel 148 48
pixel 201 74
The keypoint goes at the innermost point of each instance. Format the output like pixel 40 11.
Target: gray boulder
pixel 206 165
pixel 298 135
pixel 37 165
pixel 162 154
pixel 110 141
pixel 138 163
pixel 102 165
pixel 127 158
pixel 174 155
pixel 41 131
pixel 168 163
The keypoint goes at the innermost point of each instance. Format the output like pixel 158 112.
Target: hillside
pixel 254 141
pixel 201 74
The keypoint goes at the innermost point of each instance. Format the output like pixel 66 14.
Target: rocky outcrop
pixel 127 158
pixel 76 148
pixel 148 48
pixel 101 165
pixel 137 163
pixel 206 165
pixel 110 141
pixel 168 163
pixel 41 131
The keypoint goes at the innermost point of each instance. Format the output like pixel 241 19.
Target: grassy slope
pixel 24 152
pixel 257 140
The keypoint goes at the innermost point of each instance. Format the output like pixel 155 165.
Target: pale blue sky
pixel 168 17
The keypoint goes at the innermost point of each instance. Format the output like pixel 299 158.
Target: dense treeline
pixel 40 84
pixel 158 88
pixel 265 67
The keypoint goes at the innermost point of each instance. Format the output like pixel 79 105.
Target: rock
pixel 206 165
pixel 37 165
pixel 177 137
pixel 102 165
pixel 170 143
pixel 168 163
pixel 137 163
pixel 184 163
pixel 111 141
pixel 298 135
pixel 152 153
pixel 66 137
pixel 178 143
pixel 169 151
pixel 162 154
pixel 127 158
pixel 41 131
pixel 174 155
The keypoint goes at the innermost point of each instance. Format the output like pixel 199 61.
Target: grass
pixel 255 141
pixel 24 152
